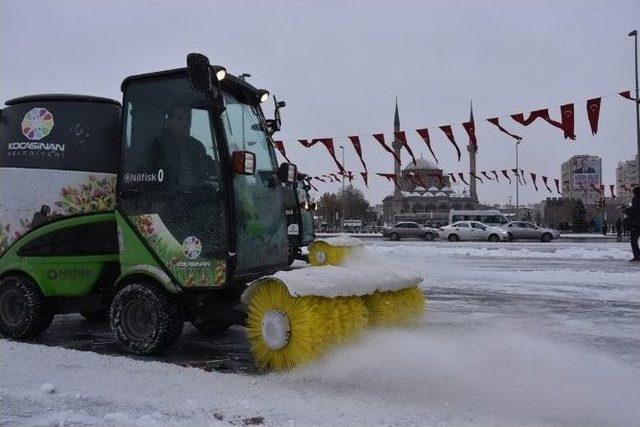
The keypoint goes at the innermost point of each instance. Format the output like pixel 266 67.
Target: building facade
pixel 626 178
pixel 582 178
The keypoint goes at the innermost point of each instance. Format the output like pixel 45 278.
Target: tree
pixel 330 206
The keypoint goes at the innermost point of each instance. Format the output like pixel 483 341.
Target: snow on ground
pixel 548 337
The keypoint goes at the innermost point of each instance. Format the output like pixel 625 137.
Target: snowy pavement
pixel 515 334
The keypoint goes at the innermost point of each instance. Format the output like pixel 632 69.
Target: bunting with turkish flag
pixel 517 174
pixel 557 181
pixel 533 178
pixel 453 177
pixel 593 112
pixel 486 176
pixel 328 143
pixel 470 127
pixel 627 94
pixel 544 179
pixel 390 177
pixel 522 174
pixel 380 138
pixel 506 175
pixel 568 121
pixel 495 173
pixel 280 147
pixel 461 175
pixel 449 133
pixel 495 121
pixel 473 175
pixel 355 141
pixel 319 179
pixel 424 134
pixel 402 137
pixel 365 178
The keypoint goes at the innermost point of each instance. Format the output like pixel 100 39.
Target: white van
pixel 488 216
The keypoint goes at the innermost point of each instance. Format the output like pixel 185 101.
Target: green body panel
pixel 68 276
pixel 136 259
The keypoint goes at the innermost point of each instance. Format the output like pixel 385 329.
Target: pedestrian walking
pixel 619 228
pixel 633 213
pixel 605 225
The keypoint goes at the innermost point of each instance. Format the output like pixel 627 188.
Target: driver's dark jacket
pixel 183 160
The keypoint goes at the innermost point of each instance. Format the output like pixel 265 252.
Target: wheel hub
pixel 12 307
pixel 276 329
pixel 137 320
pixel 321 257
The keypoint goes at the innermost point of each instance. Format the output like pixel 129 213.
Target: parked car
pixel 527 230
pixel 472 230
pixel 409 229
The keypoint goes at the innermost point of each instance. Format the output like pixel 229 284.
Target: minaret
pixel 397 146
pixel 472 164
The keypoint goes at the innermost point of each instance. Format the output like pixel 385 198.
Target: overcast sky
pixel 340 64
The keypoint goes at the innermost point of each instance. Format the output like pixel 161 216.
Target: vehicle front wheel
pixel 510 237
pixel 546 237
pixel 394 236
pixel 24 311
pixel 494 238
pixel 453 238
pixel 145 319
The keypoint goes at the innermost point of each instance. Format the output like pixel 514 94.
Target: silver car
pixel 409 229
pixel 527 230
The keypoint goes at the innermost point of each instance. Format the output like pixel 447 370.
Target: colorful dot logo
pixel 37 123
pixel 191 247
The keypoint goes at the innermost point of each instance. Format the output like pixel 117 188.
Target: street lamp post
pixel 344 196
pixel 634 34
pixel 517 183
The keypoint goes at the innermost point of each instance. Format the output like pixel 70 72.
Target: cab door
pixel 260 225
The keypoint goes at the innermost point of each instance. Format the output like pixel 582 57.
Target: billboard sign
pixel 587 173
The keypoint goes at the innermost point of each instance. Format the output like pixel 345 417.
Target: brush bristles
pixel 334 255
pixel 317 323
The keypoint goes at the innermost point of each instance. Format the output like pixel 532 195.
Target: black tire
pixel 24 311
pixel 212 328
pixel 428 236
pixel 510 238
pixel 494 238
pixel 145 319
pixel 97 316
pixel 546 237
pixel 394 236
pixel 453 238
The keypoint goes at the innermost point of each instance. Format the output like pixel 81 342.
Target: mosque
pixel 423 192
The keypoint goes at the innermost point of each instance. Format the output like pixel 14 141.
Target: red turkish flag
pixel 568 121
pixel 522 174
pixel 280 146
pixel 627 94
pixel 496 121
pixel 402 137
pixel 557 181
pixel 424 134
pixel 486 176
pixel 461 175
pixel 533 178
pixel 544 179
pixel 365 178
pixel 328 143
pixel 544 114
pixel 593 111
pixel 355 141
pixel 390 177
pixel 516 173
pixel 506 175
pixel 473 175
pixel 495 173
pixel 453 177
pixel 319 179
pixel 380 138
pixel 449 132
pixel 470 127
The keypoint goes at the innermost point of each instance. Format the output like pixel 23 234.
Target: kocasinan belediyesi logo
pixel 36 124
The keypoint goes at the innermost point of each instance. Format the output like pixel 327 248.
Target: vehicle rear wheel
pixel 494 238
pixel 546 237
pixel 145 319
pixel 510 237
pixel 24 311
pixel 428 236
pixel 453 238
pixel 394 236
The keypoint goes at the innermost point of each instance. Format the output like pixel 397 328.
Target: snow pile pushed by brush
pixel 363 273
pixel 447 249
pixel 342 240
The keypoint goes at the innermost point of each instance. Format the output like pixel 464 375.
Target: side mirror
pixel 244 162
pixel 275 124
pixel 287 172
pixel 199 70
